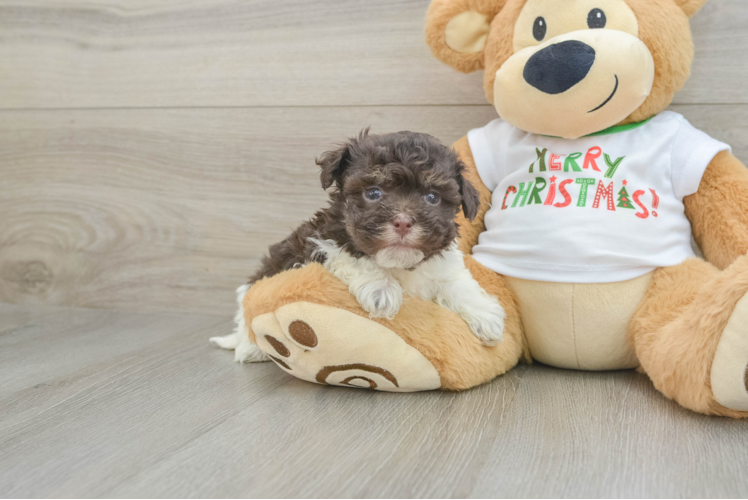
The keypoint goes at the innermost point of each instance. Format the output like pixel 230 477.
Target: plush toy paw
pixel 327 345
pixel 729 374
pixel 309 324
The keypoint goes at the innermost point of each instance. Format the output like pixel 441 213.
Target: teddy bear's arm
pixel 718 211
pixel 469 231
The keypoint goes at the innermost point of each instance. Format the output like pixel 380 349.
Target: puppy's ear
pixel 333 164
pixel 470 197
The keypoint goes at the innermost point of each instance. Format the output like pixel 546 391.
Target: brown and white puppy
pixel 389 229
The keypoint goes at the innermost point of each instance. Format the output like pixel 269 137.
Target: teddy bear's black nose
pixel 560 66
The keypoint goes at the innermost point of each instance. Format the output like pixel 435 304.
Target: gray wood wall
pixel 150 150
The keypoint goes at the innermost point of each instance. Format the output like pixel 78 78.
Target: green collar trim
pixel 612 130
pixel 620 128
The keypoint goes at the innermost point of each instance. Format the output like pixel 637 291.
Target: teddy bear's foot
pixel 691 336
pixel 327 345
pixel 729 375
pixel 310 325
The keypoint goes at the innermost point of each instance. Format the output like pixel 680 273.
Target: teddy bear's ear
pixel 457 30
pixel 690 7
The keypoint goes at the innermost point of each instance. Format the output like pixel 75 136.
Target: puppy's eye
pixel 431 198
pixel 596 19
pixel 539 29
pixel 373 194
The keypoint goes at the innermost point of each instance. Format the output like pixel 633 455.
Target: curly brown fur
pixel 405 168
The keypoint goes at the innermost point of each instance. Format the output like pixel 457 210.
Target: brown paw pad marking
pixel 302 333
pixel 278 346
pixel 280 362
pixel 372 384
pixel 329 370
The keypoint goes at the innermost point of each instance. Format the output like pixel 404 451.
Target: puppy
pixel 389 230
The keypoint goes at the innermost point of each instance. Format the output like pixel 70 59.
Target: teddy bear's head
pixel 568 68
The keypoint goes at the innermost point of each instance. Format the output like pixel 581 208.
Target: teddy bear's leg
pixel 312 327
pixel 691 336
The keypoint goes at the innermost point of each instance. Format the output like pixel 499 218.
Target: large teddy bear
pixel 590 193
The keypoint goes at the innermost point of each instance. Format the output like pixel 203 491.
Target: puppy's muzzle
pixel 403 224
pixel 559 67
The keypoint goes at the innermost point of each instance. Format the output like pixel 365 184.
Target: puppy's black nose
pixel 560 66
pixel 403 224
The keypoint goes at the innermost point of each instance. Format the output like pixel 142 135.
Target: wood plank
pixel 720 42
pixel 97 396
pixel 119 404
pixel 165 53
pixel 565 434
pixel 324 442
pixel 605 435
pixel 14 318
pixel 56 353
pixel 171 209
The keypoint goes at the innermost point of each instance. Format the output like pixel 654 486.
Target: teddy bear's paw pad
pixel 327 345
pixel 729 375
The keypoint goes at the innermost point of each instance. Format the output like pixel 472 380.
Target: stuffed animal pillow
pixel 590 194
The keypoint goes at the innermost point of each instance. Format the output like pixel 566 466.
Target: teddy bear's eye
pixel 596 19
pixel 539 29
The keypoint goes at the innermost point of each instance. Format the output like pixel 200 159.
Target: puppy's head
pixel 398 195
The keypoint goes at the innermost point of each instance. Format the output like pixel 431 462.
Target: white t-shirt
pixel 599 209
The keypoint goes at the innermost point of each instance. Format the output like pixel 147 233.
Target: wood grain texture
pixel 584 434
pixel 191 150
pixel 166 53
pixel 114 404
pixel 172 209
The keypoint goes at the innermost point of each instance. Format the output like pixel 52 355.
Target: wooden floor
pixel 150 150
pixel 112 404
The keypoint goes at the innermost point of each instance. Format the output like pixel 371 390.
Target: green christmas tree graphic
pixel 624 200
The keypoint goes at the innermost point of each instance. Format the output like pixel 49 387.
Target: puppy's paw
pixel 381 299
pixel 487 323
pixel 249 352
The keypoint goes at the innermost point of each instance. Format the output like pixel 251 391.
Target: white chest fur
pixel 443 279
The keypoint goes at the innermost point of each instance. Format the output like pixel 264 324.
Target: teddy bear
pixel 590 195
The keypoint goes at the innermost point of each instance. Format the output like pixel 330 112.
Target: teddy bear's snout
pixel 558 67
